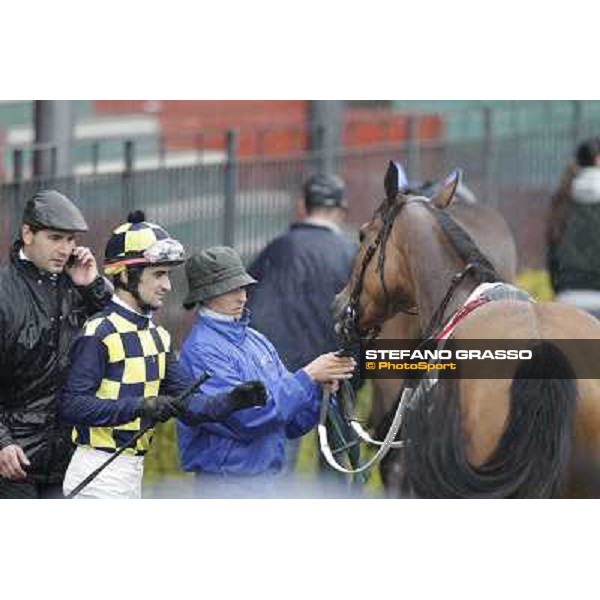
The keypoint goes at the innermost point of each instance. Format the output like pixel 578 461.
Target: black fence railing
pixel 245 202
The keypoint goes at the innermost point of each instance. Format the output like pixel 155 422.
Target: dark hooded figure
pixel 573 241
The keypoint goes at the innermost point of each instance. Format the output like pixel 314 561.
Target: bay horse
pixel 489 230
pixel 536 434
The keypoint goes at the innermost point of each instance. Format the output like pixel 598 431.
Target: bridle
pixel 476 264
pixel 349 319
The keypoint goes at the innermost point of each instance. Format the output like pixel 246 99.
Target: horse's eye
pixel 361 236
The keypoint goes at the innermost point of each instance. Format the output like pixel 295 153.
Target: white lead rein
pixel 408 395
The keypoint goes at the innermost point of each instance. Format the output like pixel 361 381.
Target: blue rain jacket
pixel 250 441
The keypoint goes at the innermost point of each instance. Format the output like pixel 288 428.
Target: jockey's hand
pixel 161 408
pixel 13 462
pixel 82 268
pixel 330 367
pixel 249 394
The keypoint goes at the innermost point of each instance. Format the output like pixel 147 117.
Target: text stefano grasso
pixel 497 354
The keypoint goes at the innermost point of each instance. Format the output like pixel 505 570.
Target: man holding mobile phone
pixel 46 293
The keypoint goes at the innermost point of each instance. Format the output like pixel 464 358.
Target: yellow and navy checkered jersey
pixel 121 358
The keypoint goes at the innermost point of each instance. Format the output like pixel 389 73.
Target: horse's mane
pixel 468 251
pixel 466 248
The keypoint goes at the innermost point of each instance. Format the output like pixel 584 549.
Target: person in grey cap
pixel 240 456
pixel 50 286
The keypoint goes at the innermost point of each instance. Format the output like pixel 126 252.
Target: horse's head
pixel 381 281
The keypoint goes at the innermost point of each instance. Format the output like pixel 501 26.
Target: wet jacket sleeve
pixel 200 406
pixel 5 435
pixel 304 420
pixel 95 296
pixel 246 423
pixel 78 403
pixel 296 396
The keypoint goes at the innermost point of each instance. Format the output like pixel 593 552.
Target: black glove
pixel 249 394
pixel 160 408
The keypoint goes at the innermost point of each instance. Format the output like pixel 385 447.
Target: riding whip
pixel 187 392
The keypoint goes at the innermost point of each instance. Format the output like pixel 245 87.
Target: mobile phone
pixel 71 261
pixel 344 352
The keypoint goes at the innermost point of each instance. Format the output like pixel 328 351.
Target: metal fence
pixel 245 202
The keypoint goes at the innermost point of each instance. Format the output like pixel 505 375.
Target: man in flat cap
pixel 49 288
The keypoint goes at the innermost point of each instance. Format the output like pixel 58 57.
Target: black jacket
pixel 574 261
pixel 299 274
pixel 40 315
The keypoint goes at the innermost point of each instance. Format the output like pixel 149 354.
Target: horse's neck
pixel 433 262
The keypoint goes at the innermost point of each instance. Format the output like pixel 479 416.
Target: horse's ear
pixel 447 190
pixel 395 180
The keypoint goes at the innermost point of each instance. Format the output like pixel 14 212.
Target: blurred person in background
pixel 243 456
pixel 124 376
pixel 48 290
pixel 573 233
pixel 299 274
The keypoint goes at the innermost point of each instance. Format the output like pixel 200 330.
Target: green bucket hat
pixel 215 271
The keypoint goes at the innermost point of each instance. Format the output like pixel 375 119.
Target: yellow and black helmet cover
pixel 139 242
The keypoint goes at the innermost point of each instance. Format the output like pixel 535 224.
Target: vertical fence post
pixel 95 156
pixel 128 198
pixel 54 124
pixel 230 191
pixel 318 146
pixel 17 195
pixel 488 157
pixel 324 120
pixel 37 158
pixel 162 152
pixel 54 162
pixel 412 148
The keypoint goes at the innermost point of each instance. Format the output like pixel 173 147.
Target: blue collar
pixel 234 331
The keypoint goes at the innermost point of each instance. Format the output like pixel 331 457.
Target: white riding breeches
pixel 122 479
